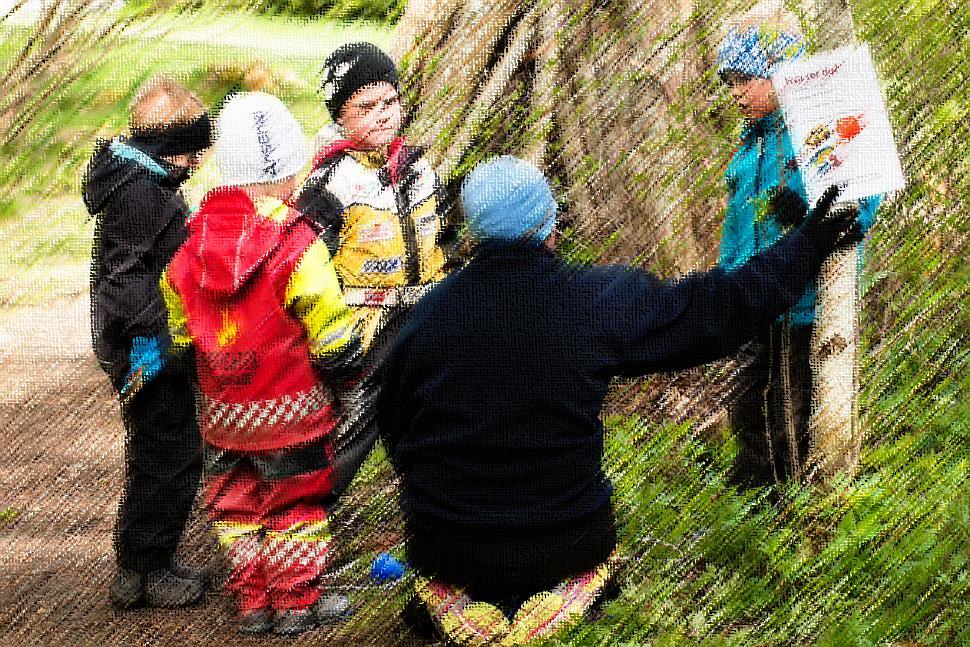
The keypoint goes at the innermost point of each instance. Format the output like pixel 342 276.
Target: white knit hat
pixel 259 140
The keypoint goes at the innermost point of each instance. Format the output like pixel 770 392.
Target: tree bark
pixel 605 97
pixel 835 431
pixel 836 438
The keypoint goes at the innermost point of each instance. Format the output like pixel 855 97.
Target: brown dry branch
pixel 58 50
pixel 496 85
pixel 599 89
pixel 452 83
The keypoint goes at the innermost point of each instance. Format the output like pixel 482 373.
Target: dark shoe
pixel 127 589
pixel 293 622
pixel 256 622
pixel 190 572
pixel 415 615
pixel 332 607
pixel 166 589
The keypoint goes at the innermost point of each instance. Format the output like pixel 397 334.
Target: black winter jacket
pixel 492 395
pixel 141 221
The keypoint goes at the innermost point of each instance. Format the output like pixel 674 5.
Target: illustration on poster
pixel 824 150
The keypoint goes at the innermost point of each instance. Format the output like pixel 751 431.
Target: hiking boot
pixel 127 589
pixel 417 618
pixel 254 623
pixel 293 622
pixel 163 588
pixel 190 572
pixel 332 607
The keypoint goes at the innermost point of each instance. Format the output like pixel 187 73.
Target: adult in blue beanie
pixel 492 395
pixel 508 199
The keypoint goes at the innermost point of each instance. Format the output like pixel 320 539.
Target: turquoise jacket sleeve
pixel 867 211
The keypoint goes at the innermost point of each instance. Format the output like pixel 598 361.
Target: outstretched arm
pixel 708 316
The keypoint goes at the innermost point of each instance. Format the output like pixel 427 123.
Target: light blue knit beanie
pixel 507 198
pixel 758 51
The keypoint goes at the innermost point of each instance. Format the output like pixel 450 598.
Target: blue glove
pixel 146 361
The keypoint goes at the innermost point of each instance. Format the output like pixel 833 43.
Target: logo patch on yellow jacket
pixel 382 265
pixel 375 232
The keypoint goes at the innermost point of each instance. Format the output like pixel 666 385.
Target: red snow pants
pixel 275 534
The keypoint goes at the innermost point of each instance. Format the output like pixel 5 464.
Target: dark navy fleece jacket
pixel 492 394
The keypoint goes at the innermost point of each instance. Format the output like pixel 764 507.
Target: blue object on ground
pixel 386 567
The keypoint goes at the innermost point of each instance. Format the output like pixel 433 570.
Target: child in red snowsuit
pixel 256 295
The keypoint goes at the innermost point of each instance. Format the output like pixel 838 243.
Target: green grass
pixel 44 251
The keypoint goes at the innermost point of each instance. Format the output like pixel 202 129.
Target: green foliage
pixel 877 560
pixel 8 515
pixel 376 10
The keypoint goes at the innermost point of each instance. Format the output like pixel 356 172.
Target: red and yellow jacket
pixel 255 293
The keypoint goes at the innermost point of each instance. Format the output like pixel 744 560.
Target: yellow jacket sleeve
pixel 178 328
pixel 313 293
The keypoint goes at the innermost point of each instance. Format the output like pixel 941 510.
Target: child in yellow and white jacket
pixel 377 204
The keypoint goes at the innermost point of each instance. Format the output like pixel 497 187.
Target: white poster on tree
pixel 837 118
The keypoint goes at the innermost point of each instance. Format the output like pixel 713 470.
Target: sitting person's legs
pixel 510 621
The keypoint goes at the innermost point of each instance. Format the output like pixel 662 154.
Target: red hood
pixel 229 240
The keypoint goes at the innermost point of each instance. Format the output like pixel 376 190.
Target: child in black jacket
pixel 132 186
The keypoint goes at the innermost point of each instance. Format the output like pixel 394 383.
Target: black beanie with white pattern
pixel 351 67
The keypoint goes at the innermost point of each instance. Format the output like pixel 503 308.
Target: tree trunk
pixel 836 438
pixel 836 434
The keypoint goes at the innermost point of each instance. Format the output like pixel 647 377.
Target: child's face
pixel 372 116
pixel 755 96
pixel 287 188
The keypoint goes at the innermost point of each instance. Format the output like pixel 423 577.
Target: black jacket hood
pixel 118 162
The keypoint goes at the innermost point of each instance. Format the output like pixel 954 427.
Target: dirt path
pixel 61 468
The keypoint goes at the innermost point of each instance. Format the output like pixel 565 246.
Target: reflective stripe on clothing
pixel 275 533
pixel 469 622
pixel 295 559
pixel 250 418
pixel 386 297
pixel 246 579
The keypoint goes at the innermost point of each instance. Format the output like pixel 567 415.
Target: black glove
pixel 829 229
pixel 787 207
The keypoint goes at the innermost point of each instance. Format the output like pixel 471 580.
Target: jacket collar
pixel 492 247
pixel 761 127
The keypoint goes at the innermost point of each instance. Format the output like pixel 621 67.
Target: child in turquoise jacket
pixel 771 415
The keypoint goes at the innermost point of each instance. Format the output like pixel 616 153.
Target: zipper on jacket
pixel 757 193
pixel 412 262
